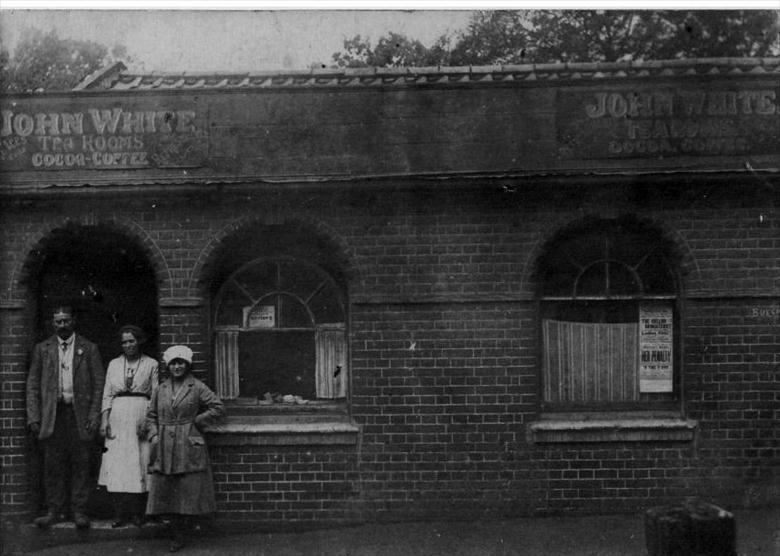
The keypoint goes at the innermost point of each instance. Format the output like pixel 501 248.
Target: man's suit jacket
pixel 43 383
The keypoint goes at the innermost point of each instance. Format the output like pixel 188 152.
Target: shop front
pixel 448 292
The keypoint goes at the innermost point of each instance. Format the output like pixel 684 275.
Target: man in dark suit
pixel 64 394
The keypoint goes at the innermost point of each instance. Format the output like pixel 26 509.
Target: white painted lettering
pixel 6 129
pixel 765 103
pixel 104 120
pixel 23 125
pixel 132 122
pixel 47 123
pixel 72 123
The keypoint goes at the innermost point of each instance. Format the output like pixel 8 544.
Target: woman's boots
pixel 128 508
pixel 179 524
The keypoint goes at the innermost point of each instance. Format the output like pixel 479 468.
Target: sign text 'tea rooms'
pixel 620 123
pixel 100 138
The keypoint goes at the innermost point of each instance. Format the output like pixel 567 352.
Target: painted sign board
pixel 332 133
pixel 668 122
pixel 117 136
pixel 655 348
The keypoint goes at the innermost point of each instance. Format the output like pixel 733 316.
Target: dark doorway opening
pixel 108 280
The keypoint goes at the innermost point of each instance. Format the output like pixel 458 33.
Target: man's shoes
pixel 46 521
pixel 81 521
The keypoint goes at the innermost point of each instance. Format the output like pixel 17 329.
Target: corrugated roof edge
pixel 115 77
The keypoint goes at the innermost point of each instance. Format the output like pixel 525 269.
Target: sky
pixel 243 40
pixel 247 36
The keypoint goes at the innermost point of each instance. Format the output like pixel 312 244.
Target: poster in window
pixel 260 316
pixel 655 348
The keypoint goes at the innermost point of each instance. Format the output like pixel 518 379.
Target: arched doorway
pixel 107 277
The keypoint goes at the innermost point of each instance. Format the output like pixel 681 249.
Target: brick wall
pixel 442 392
pixel 732 383
pixel 444 349
pixel 285 486
pixel 14 443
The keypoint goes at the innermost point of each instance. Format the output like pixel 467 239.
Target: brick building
pixel 491 291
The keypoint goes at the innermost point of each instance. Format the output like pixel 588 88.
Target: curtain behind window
pixel 590 362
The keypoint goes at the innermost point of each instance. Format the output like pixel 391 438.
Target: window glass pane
pixel 634 248
pixel 275 351
pixel 656 275
pixel 586 248
pixel 231 309
pixel 258 279
pixel 621 280
pixel 299 279
pixel 591 347
pixel 326 306
pixel 292 314
pixel 560 278
pixel 277 362
pixel 593 281
pixel 630 247
pixel 592 311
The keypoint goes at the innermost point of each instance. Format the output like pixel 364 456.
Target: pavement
pixel 758 533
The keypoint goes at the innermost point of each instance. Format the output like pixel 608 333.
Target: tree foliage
pixel 45 62
pixel 516 37
pixel 394 49
pixel 609 36
pixel 492 37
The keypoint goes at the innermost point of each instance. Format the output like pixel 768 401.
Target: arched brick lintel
pixel 203 267
pixel 37 243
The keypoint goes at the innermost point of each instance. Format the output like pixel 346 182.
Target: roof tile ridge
pixel 357 76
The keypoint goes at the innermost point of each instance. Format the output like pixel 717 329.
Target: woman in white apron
pixel 131 380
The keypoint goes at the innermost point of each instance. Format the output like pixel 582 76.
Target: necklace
pixel 130 373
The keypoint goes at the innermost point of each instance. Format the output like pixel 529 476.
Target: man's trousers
pixel 67 464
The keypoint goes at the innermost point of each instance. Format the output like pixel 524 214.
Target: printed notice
pixel 261 316
pixel 655 348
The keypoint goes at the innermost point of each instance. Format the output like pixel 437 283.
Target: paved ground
pixel 758 533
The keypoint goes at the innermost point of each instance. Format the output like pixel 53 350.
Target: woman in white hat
pixel 180 482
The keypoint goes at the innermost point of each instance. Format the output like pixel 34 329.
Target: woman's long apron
pixel 125 461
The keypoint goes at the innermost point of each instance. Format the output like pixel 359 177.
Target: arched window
pixel 608 317
pixel 280 326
